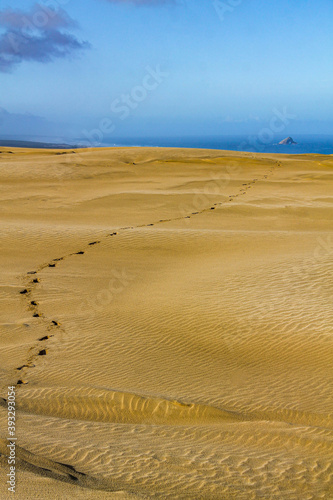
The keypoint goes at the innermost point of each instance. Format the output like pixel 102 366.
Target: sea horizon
pixel 305 143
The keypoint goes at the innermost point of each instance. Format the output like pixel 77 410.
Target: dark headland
pixel 35 145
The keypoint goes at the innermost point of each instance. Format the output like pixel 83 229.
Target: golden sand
pixel 175 335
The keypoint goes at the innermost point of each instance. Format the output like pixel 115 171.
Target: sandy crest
pixel 166 317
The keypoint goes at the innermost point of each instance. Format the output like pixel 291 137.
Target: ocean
pixel 306 144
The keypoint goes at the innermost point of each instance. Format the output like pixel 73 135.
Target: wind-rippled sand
pixel 174 335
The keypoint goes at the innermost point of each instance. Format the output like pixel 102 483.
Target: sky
pixel 100 69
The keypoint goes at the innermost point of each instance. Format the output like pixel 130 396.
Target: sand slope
pixel 174 337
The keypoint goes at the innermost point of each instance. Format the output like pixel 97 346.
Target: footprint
pixel 55 323
pixel 21 367
pixel 24 292
pixel 33 303
pixel 212 208
pixel 43 352
pixel 36 280
pixel 20 382
pixel 37 315
pixel 44 338
pixel 32 272
pixel 51 265
pixel 94 243
pixel 79 253
pixel 115 234
pixel 150 225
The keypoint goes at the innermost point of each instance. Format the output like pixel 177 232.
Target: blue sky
pixel 151 68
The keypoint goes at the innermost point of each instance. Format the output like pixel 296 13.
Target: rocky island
pixel 288 141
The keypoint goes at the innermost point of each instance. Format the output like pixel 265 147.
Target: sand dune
pixel 166 317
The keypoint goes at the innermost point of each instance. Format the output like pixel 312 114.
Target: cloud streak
pixel 41 34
